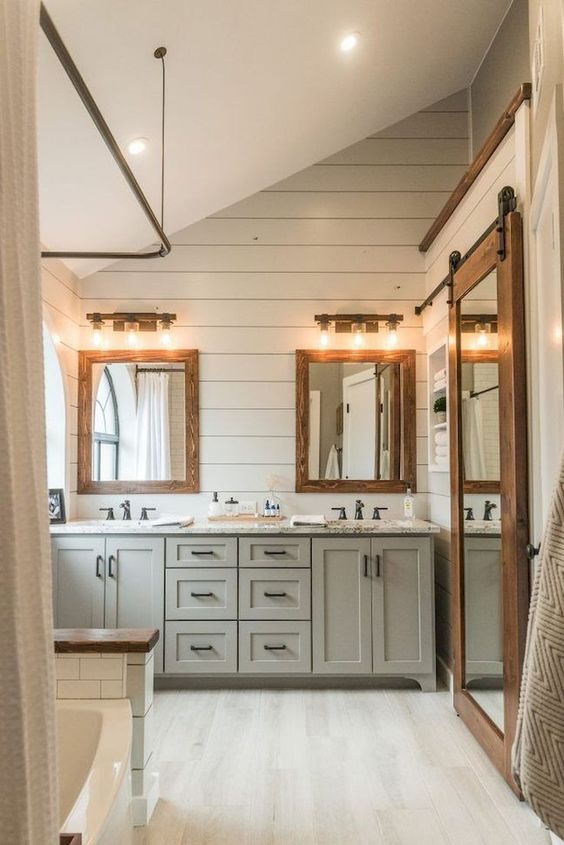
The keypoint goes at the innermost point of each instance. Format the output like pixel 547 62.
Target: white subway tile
pixel 113 689
pixel 103 670
pixel 78 689
pixel 67 670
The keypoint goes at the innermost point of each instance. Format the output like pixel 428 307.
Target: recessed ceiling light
pixel 137 146
pixel 349 42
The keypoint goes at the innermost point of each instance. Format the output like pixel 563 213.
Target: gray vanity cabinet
pixel 79 578
pixel 112 582
pixel 402 606
pixel 341 606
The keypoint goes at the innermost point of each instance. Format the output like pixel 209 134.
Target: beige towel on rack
pixel 332 471
pixel 538 751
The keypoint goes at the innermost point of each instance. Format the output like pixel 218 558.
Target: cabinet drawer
pixel 274 594
pixel 274 647
pixel 201 593
pixel 195 647
pixel 201 551
pixel 277 551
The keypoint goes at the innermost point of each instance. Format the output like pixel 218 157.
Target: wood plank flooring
pixel 326 767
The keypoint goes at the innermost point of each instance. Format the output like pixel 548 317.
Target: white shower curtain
pixel 28 800
pixel 153 428
pixel 473 439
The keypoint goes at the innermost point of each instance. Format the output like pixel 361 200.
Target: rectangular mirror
pixel 138 422
pixel 355 420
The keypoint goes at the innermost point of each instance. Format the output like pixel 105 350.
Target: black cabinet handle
pixel 197 553
pixel 366 566
pixel 201 595
pixel 275 595
pixel 201 648
pixel 99 562
pixel 275 551
pixel 378 571
pixel 111 561
pixel 275 647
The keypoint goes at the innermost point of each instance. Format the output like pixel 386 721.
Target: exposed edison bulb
pixel 132 333
pixel 324 334
pixel 482 335
pixel 392 338
pixel 97 331
pixel 166 332
pixel 358 338
pixel 349 42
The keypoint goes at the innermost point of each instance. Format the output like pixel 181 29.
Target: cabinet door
pixel 483 607
pixel 78 582
pixel 341 595
pixel 135 586
pixel 402 606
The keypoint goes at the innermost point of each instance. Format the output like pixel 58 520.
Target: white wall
pixel 340 236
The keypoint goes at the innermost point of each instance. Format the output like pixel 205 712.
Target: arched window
pixel 105 454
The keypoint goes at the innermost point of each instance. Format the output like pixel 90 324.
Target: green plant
pixel 440 405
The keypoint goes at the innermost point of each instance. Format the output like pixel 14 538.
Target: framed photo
pixel 56 505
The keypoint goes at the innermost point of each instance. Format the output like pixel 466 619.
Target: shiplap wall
pixel 61 316
pixel 471 218
pixel 340 236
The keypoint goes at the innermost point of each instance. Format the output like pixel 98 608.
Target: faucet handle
pixel 342 512
pixel 144 513
pixel 109 512
pixel 469 514
pixel 376 511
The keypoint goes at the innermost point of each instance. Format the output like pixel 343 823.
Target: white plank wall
pixel 471 218
pixel 245 283
pixel 61 317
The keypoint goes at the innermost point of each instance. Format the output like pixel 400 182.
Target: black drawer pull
pixel 99 562
pixel 275 551
pixel 111 561
pixel 275 647
pixel 378 570
pixel 201 648
pixel 197 553
pixel 201 595
pixel 366 566
pixel 275 595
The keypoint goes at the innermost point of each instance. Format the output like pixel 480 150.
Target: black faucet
pixel 109 512
pixel 342 512
pixel 488 508
pixel 144 513
pixel 358 506
pixel 469 514
pixel 126 505
pixel 376 512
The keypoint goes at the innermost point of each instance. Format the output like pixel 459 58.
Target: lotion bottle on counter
pixel 408 505
pixel 214 507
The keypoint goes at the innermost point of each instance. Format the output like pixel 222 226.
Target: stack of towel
pixel 441 448
pixel 440 379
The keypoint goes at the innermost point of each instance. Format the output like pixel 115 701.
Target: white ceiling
pixel 257 90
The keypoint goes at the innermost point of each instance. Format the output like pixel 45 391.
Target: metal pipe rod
pixel 89 102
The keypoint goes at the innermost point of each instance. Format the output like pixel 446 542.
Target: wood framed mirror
pixel 138 425
pixel 355 421
pixel 491 582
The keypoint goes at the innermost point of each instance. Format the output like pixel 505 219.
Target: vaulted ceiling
pixel 256 90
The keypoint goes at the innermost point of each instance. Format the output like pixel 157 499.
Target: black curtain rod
pixel 473 394
pixel 89 102
pixel 159 370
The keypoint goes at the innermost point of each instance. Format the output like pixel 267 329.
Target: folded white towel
pixel 441 450
pixel 440 374
pixel 180 521
pixel 308 519
pixel 441 438
pixel 441 459
pixel 440 385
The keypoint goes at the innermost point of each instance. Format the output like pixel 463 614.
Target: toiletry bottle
pixel 214 507
pixel 266 511
pixel 277 511
pixel 408 505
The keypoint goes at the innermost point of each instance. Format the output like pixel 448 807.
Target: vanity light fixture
pixel 482 330
pixel 359 325
pixel 349 42
pixel 97 329
pixel 133 324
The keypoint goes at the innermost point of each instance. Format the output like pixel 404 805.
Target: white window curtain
pixel 28 799
pixel 153 428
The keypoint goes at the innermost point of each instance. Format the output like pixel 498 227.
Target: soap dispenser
pixel 408 505
pixel 214 507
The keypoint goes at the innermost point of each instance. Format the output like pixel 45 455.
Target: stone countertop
pixel 482 528
pixel 105 640
pixel 333 528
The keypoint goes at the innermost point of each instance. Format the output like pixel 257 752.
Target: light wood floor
pixel 319 767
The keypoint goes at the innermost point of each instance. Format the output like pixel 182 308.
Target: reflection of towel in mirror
pixel 441 450
pixel 441 459
pixel 441 438
pixel 440 384
pixel 332 469
pixel 385 464
pixel 440 374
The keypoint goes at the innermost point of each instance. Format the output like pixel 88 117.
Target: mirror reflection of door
pixel 354 422
pixel 483 616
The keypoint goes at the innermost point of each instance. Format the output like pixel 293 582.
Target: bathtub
pixel 94 749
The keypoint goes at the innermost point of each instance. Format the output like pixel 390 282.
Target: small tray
pixel 246 517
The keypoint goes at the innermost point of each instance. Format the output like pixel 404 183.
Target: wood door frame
pixel 86 360
pixel 406 359
pixel 513 484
